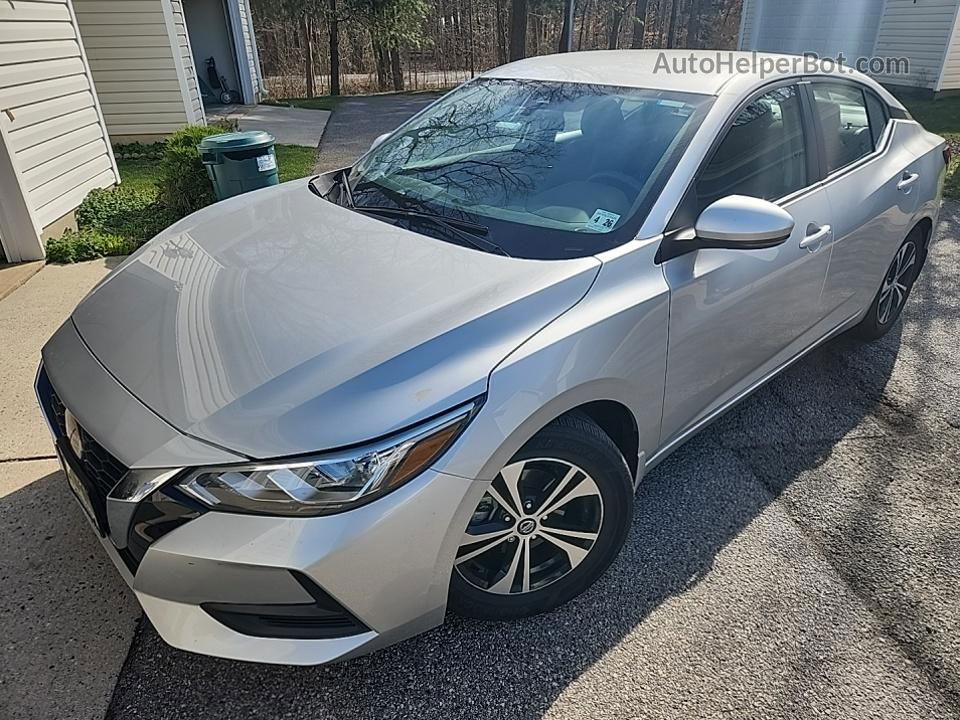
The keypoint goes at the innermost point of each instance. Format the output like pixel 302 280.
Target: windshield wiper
pixel 472 233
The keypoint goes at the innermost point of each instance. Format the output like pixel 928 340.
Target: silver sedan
pixel 308 420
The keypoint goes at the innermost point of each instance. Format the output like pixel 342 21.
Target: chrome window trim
pixel 866 159
pixel 885 138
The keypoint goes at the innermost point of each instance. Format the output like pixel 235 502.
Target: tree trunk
pixel 473 47
pixel 566 28
pixel 501 34
pixel 672 29
pixel 693 24
pixel 334 48
pixel 308 57
pixel 518 29
pixel 395 69
pixel 639 23
pixel 381 63
pixel 616 18
pixel 583 24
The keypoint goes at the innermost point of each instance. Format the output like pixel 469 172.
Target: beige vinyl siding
pixel 249 50
pixel 51 125
pixel 919 32
pixel 136 66
pixel 194 106
pixel 950 78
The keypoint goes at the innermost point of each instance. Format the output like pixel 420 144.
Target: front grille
pixel 102 468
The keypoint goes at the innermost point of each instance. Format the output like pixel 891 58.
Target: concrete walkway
pixel 290 126
pixel 66 617
pixel 14 275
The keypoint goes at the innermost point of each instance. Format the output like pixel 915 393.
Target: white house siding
pixel 826 27
pixel 55 144
pixel 919 32
pixel 250 48
pixel 194 105
pixel 950 77
pixel 143 79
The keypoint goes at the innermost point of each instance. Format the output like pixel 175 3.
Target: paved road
pixel 798 559
pixel 357 121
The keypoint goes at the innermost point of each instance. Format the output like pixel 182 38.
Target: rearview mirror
pixel 740 222
pixel 379 139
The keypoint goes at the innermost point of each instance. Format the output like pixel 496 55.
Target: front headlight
pixel 327 483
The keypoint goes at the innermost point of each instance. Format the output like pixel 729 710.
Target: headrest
pixel 601 118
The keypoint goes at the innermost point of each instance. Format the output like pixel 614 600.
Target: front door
pixel 737 314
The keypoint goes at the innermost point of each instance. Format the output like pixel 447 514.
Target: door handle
pixel 906 181
pixel 816 234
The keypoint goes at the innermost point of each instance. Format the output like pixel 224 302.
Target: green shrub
pixel 87 244
pixel 184 185
pixel 133 214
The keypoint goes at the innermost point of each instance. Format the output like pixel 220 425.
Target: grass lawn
pixel 293 161
pixel 942 117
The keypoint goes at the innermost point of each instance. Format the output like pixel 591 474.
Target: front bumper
pixel 386 565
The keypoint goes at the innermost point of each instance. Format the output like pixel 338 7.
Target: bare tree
pixel 639 23
pixel 347 46
pixel 518 29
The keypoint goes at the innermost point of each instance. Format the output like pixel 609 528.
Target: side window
pixel 845 123
pixel 879 115
pixel 763 154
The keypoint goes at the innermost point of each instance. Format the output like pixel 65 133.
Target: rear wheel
pixel 894 290
pixel 549 525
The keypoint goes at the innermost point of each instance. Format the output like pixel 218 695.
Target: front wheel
pixel 548 526
pixel 894 290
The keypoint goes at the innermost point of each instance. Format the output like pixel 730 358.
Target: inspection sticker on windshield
pixel 603 221
pixel 267 162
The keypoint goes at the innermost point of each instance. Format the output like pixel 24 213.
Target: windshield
pixel 552 170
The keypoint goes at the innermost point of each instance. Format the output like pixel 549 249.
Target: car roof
pixel 736 73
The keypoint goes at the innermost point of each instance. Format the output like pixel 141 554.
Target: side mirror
pixel 740 222
pixel 379 139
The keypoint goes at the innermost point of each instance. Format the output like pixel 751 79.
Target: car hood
pixel 277 323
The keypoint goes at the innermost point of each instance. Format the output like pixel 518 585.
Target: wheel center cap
pixel 525 527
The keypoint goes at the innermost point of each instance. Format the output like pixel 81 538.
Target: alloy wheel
pixel 895 286
pixel 535 524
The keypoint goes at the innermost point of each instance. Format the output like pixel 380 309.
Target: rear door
pixel 873 185
pixel 737 314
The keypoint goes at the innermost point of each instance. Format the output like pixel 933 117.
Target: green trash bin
pixel 238 162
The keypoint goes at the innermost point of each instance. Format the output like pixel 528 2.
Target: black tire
pixel 890 300
pixel 579 442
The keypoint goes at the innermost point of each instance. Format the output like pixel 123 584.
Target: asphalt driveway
pixel 800 558
pixel 358 121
